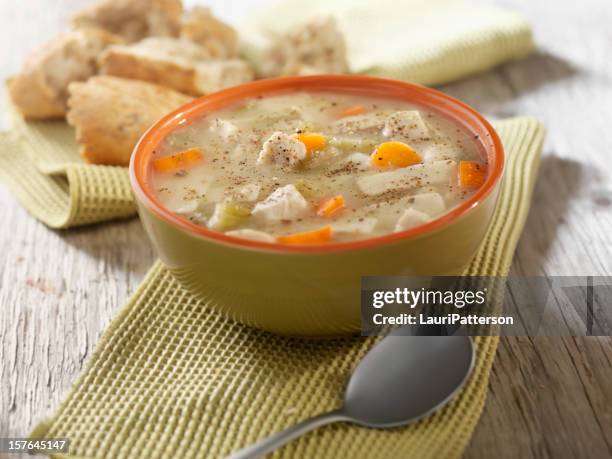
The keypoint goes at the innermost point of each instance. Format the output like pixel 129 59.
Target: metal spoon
pixel 401 380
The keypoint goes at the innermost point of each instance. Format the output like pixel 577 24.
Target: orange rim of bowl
pixel 435 101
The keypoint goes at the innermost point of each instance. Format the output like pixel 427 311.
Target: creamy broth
pixel 305 168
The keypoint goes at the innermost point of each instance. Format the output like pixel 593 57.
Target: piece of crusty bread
pixel 215 75
pixel 133 19
pixel 200 26
pixel 40 90
pixel 176 63
pixel 111 114
pixel 317 46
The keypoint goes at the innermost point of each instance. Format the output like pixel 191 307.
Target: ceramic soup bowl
pixel 312 290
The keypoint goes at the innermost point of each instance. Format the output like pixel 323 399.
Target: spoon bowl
pixel 401 380
pixel 405 378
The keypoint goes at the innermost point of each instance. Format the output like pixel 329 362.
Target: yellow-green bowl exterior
pixel 309 294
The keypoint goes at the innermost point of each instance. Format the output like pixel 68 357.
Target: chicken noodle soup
pixel 311 168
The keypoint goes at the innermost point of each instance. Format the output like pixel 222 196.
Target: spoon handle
pixel 279 439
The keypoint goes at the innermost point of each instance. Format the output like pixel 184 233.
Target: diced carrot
pixel 394 154
pixel 331 206
pixel 179 160
pixel 313 140
pixel 354 110
pixel 471 174
pixel 317 236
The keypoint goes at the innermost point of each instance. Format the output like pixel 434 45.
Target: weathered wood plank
pixel 58 292
pixel 549 397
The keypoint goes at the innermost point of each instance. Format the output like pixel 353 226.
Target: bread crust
pixel 133 19
pixel 177 64
pixel 111 114
pixel 201 27
pixel 40 89
pixel 168 74
pixel 32 96
pixel 316 46
pixel 164 61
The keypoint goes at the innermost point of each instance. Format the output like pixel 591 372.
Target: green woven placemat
pixel 173 378
pixel 40 163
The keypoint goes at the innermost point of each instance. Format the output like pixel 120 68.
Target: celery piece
pixel 305 188
pixel 228 215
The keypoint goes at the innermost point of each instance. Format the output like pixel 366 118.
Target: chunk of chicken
pixel 435 173
pixel 440 152
pixel 406 125
pixel 252 234
pixel 248 193
pixel 362 124
pixel 411 218
pixel 362 227
pixel 282 149
pixel 223 128
pixel 431 204
pixel 285 203
pixel 358 161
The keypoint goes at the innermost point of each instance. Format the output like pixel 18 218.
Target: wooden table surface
pixel 548 397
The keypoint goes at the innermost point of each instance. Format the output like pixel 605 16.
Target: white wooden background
pixel 549 397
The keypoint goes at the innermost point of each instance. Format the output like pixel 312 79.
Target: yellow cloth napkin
pixel 173 378
pixel 425 41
